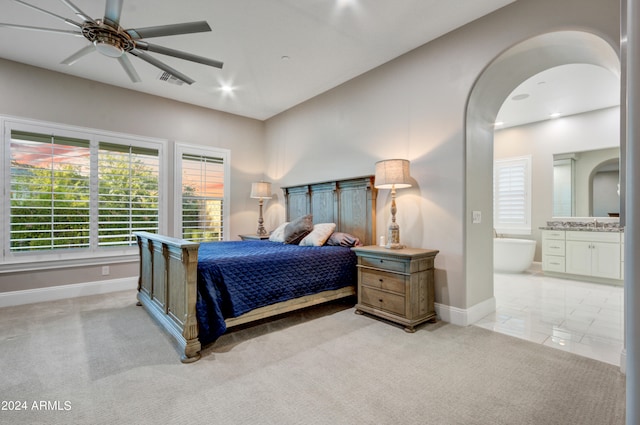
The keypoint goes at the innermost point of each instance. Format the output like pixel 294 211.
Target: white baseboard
pixel 30 296
pixel 465 317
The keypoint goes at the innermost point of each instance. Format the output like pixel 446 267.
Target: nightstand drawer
pixel 383 263
pixel 382 300
pixel 383 280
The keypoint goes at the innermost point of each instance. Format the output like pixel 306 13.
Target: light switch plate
pixel 476 217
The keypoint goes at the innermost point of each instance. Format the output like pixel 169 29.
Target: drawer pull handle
pixel 380 300
pixel 381 280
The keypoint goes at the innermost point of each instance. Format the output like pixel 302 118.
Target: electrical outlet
pixel 105 270
pixel 476 217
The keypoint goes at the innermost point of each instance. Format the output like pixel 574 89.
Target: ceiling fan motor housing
pixel 108 41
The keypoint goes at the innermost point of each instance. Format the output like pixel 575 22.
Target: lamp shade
pixel 392 173
pixel 261 190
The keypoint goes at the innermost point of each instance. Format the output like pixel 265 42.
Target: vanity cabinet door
pixel 578 257
pixel 605 260
pixel 599 259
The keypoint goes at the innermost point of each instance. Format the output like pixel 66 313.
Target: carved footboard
pixel 167 288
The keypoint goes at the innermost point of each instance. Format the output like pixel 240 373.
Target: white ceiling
pixel 276 53
pixel 563 90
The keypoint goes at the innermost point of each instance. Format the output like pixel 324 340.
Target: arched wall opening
pixel 498 80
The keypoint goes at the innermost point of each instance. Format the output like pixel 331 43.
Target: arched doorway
pixel 498 80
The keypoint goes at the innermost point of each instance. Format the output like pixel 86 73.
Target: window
pixel 50 192
pixel 512 195
pixel 128 192
pixel 203 192
pixel 76 193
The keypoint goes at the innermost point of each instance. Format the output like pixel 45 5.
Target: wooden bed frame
pixel 167 285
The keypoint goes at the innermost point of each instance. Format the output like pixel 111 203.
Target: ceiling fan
pixel 109 38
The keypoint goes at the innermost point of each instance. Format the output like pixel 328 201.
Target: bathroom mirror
pixel 586 184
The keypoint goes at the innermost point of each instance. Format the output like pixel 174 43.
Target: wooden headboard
pixel 350 203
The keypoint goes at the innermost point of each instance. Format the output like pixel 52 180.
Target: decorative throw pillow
pixel 278 234
pixel 297 229
pixel 343 239
pixel 318 235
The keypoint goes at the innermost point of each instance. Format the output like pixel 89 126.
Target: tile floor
pixel 580 317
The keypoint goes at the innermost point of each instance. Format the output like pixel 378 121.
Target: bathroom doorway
pixel 495 85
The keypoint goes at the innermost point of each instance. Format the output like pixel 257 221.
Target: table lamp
pixel 393 174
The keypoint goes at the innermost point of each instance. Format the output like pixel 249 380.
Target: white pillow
pixel 278 234
pixel 318 235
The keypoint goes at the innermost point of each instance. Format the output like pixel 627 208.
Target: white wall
pixel 35 93
pixel 414 107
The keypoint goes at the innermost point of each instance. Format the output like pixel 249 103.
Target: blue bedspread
pixel 238 276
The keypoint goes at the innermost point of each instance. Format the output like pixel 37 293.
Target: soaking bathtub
pixel 512 255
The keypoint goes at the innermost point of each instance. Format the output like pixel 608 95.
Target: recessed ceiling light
pixel 555 114
pixel 498 123
pixel 345 3
pixel 226 89
pixel 520 96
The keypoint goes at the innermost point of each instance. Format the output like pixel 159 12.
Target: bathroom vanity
pixel 584 252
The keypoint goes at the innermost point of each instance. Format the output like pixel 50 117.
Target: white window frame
pixel 522 226
pixel 225 154
pixel 13 261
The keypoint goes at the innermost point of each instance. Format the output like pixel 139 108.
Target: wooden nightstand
pixel 253 237
pixel 396 284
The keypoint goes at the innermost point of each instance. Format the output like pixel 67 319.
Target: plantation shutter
pixel 512 198
pixel 202 197
pixel 128 193
pixel 50 192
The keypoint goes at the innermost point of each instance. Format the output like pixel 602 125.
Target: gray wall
pixel 415 107
pixel 34 93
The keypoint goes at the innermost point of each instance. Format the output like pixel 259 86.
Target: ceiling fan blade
pixel 78 12
pixel 112 12
pixel 164 30
pixel 163 66
pixel 51 30
pixel 62 18
pixel 79 54
pixel 129 69
pixel 178 54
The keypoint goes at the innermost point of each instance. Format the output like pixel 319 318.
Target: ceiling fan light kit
pixel 107 43
pixel 108 49
pixel 110 39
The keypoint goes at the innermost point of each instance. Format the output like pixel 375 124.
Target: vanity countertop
pixel 584 225
pixel 584 228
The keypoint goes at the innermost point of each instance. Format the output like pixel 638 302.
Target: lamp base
pixel 393 241
pixel 261 230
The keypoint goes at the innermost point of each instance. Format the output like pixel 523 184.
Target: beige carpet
pixel 102 360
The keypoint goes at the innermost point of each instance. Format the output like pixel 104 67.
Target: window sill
pixel 26 266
